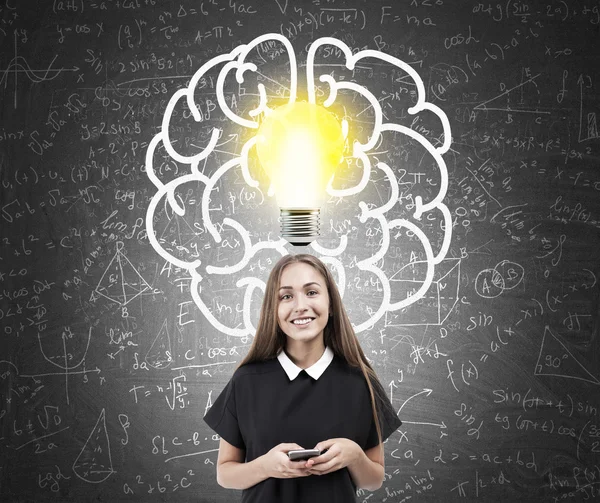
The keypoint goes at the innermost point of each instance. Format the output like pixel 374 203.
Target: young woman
pixel 304 384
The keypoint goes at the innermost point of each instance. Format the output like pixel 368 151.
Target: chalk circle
pixel 511 272
pixel 489 283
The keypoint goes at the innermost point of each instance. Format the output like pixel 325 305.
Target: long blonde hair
pixel 338 334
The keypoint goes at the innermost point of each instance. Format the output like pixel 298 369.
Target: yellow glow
pixel 299 146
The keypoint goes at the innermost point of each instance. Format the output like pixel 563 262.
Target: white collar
pixel 315 370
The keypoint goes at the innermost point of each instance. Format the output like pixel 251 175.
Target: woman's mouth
pixel 299 322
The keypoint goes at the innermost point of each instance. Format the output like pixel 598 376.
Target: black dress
pixel 260 407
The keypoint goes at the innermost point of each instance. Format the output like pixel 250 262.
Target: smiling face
pixel 303 309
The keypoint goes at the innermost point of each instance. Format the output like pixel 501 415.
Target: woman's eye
pixel 285 297
pixel 313 291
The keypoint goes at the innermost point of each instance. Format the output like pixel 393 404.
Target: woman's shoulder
pixel 355 374
pixel 348 371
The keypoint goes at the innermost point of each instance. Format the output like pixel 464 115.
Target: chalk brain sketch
pixel 188 222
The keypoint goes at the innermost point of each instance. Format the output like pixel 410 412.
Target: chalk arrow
pixel 443 425
pixel 425 390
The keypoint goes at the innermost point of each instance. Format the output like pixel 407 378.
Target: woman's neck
pixel 305 354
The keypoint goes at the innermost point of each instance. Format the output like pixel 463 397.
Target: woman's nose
pixel 300 304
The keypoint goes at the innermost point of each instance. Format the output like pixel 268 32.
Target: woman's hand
pixel 341 452
pixel 277 464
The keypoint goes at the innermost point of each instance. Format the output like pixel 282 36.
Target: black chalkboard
pixel 137 236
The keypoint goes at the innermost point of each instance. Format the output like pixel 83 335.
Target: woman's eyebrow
pixel 304 286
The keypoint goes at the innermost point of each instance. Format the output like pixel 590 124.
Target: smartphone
pixel 301 454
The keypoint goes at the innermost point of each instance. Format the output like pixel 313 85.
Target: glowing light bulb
pixel 299 146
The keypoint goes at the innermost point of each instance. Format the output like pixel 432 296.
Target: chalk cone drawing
pixel 94 463
pixel 159 356
pixel 121 281
pixel 179 231
pixel 555 359
pixel 325 89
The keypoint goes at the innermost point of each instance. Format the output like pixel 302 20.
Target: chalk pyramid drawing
pixel 179 230
pixel 94 463
pixel 121 282
pixel 555 359
pixel 515 99
pixel 159 355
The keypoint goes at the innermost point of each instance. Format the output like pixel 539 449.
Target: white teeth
pixel 303 321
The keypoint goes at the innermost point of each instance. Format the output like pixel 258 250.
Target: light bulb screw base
pixel 299 227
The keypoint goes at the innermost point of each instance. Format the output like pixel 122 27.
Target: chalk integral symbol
pixel 94 463
pixel 121 282
pixel 555 359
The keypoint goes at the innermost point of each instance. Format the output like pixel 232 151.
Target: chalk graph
pixel 19 65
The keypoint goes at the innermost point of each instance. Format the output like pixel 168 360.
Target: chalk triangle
pixel 555 359
pixel 516 99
